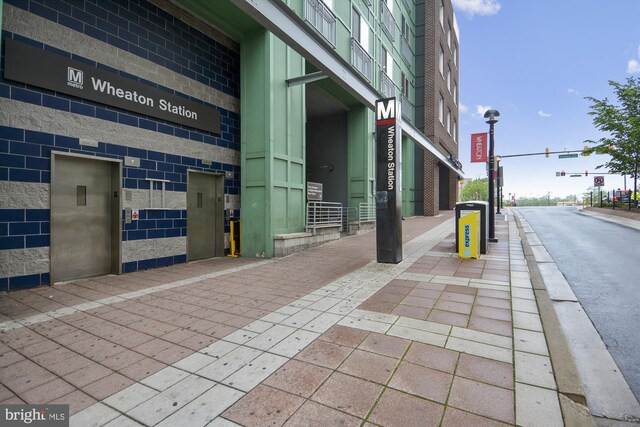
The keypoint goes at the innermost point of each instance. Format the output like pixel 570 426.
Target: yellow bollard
pixel 234 250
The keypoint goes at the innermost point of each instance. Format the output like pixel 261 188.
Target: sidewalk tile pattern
pixel 325 336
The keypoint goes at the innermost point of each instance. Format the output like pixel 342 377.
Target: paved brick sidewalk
pixel 325 337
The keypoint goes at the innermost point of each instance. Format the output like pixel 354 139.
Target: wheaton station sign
pixel 28 64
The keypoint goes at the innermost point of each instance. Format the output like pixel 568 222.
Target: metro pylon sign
pixel 388 181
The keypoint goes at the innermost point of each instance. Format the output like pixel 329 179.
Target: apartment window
pixel 441 62
pixel 405 28
pixel 441 110
pixel 355 25
pixel 449 79
pixel 448 126
pixel 449 37
pixel 405 85
pixel 455 93
pixel 455 131
pixel 359 29
pixel 455 55
pixel 383 59
pixel 442 13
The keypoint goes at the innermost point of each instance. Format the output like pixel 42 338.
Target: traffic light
pixel 546 152
pixel 586 173
pixel 585 151
pixel 562 173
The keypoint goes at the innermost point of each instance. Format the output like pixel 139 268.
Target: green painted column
pixel 361 155
pixel 408 178
pixel 273 143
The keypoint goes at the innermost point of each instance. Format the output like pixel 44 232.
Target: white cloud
pixel 633 66
pixel 543 114
pixel 463 108
pixel 481 109
pixel 573 91
pixel 477 7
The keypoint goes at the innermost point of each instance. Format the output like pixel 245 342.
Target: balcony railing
pixel 321 18
pixel 407 108
pixel 387 87
pixel 360 59
pixel 388 22
pixel 407 52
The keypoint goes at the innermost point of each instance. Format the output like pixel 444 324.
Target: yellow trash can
pixel 469 233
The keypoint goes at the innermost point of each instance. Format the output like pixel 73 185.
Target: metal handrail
pixel 323 214
pixel 321 18
pixel 366 212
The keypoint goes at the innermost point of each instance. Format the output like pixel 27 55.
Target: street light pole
pixel 491 115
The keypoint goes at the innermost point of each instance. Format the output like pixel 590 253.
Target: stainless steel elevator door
pixel 205 226
pixel 81 222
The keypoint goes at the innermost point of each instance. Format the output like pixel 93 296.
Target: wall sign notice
pixel 28 64
pixel 314 191
pixel 388 181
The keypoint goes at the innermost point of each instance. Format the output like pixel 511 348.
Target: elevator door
pixel 205 216
pixel 82 201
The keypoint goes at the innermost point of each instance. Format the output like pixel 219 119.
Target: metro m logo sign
pixel 388 181
pixel 386 109
pixel 75 77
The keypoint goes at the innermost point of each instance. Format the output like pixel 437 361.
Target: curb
pixel 570 389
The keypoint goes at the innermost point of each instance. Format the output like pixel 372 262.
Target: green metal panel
pixel 408 178
pixel 360 156
pixel 272 136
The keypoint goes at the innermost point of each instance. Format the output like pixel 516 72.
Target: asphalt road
pixel 601 262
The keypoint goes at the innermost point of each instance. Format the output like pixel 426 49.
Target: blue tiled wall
pixel 141 29
pixel 145 30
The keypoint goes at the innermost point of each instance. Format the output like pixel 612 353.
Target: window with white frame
pixel 448 125
pixel 441 62
pixel 442 13
pixel 441 109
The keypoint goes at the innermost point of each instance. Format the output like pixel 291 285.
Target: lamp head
pixel 492 116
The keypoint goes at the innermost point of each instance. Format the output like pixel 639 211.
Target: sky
pixel 535 61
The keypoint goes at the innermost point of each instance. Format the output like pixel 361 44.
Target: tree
pixel 622 124
pixel 476 189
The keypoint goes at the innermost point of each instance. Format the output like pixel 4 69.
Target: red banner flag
pixel 478 147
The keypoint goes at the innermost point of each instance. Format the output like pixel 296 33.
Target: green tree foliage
pixel 621 124
pixel 476 189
